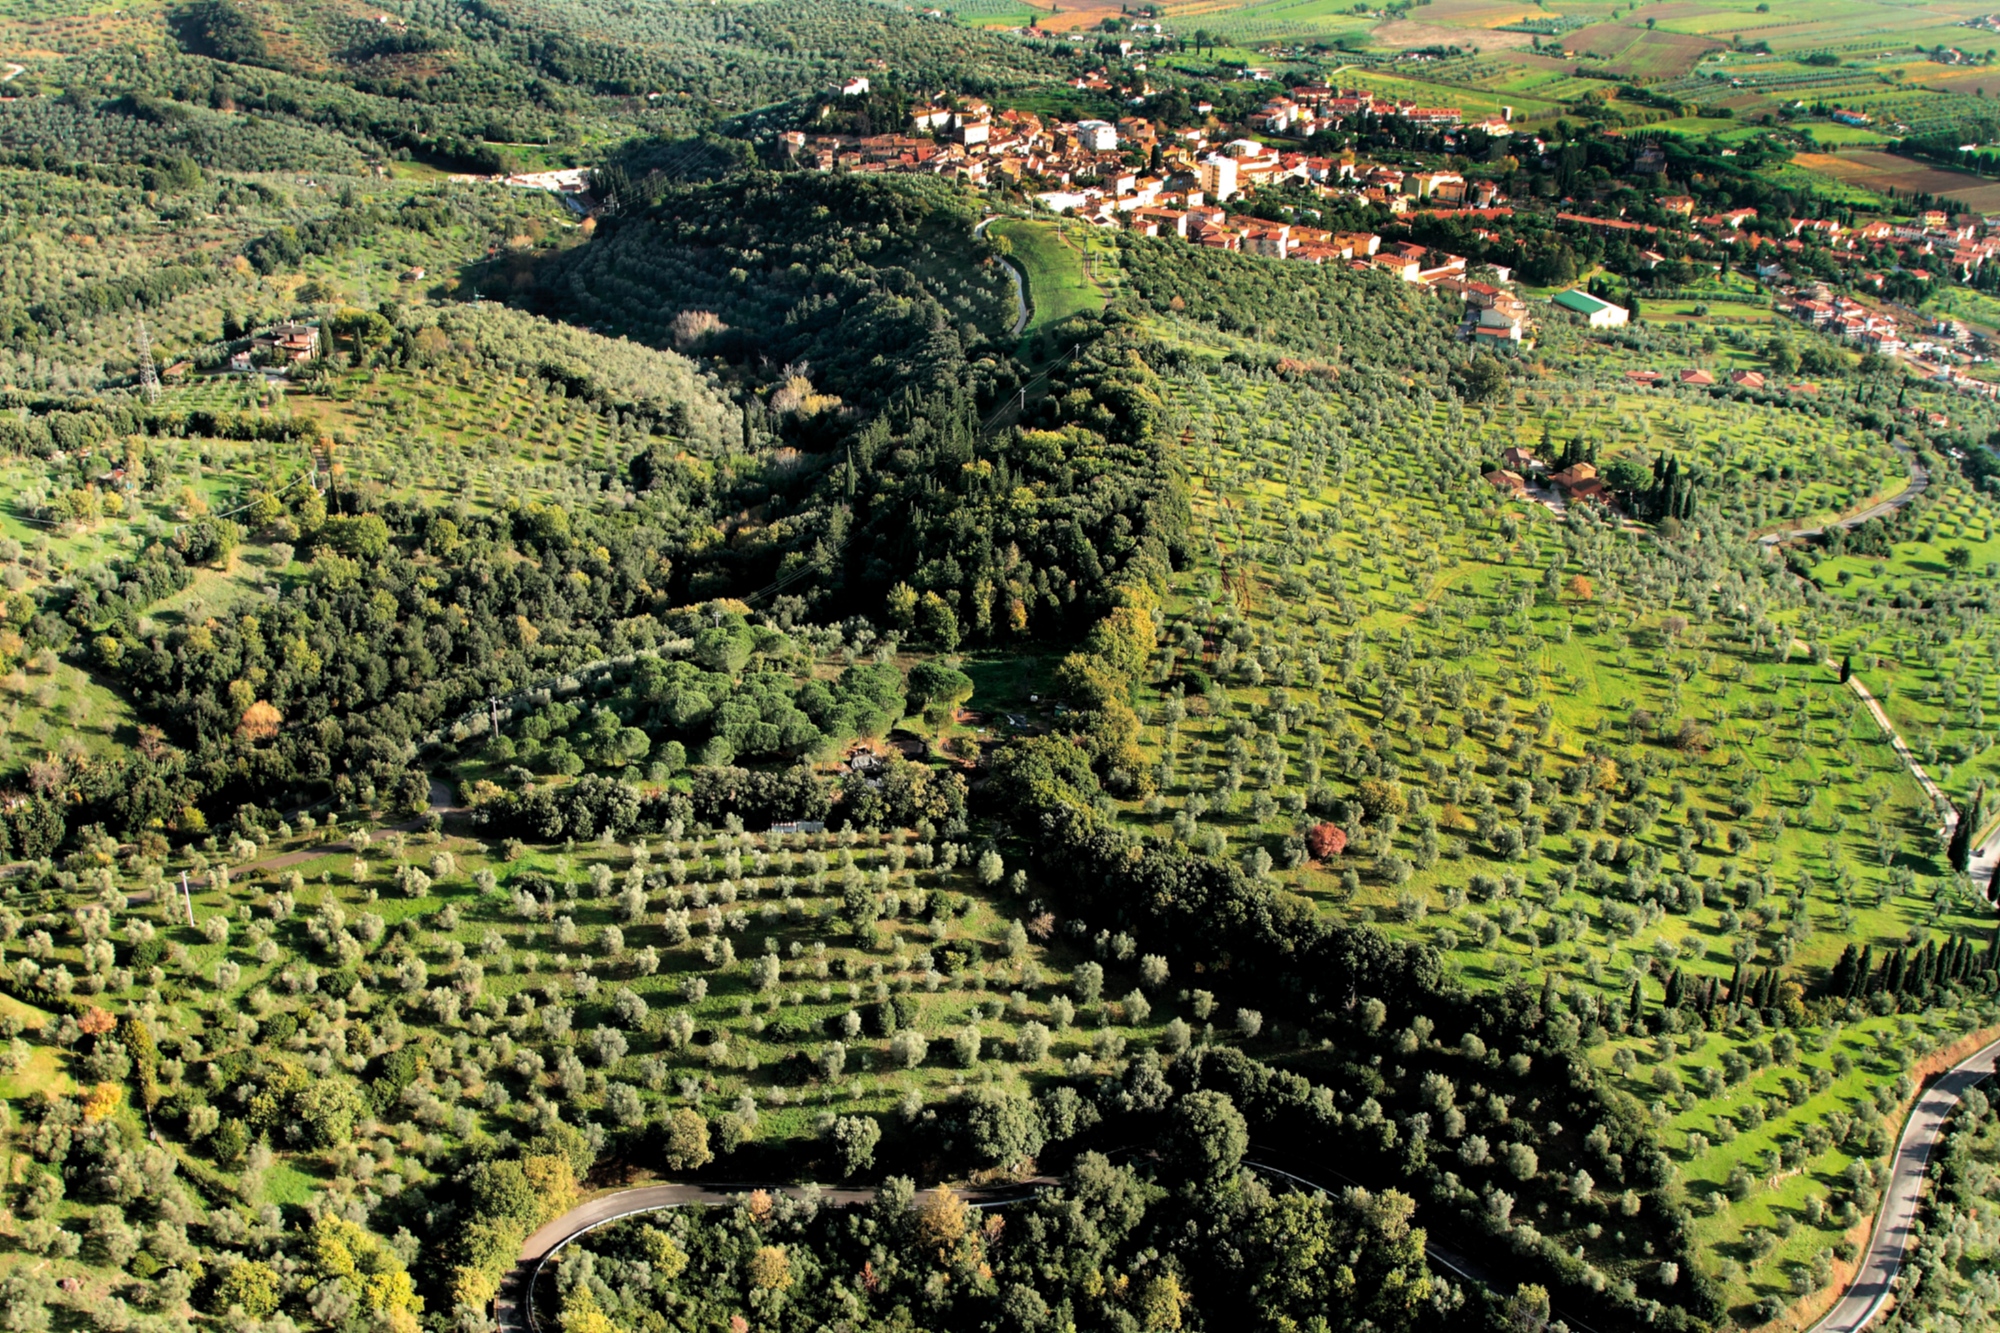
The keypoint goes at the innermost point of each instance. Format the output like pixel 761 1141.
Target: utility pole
pixel 149 378
pixel 188 894
pixel 493 712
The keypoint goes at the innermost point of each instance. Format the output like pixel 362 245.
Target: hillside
pixel 1246 803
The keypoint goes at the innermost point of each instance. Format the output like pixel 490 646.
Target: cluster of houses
pixel 289 344
pixel 1931 246
pixel 1086 167
pixel 1577 482
pixel 1309 108
pixel 1493 314
pixel 1694 377
pixel 1936 351
pixel 1958 246
pixel 1843 317
pixel 968 139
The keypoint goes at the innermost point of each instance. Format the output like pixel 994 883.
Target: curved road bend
pixel 1920 480
pixel 1880 1267
pixel 510 1307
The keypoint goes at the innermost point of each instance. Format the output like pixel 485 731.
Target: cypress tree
pixel 1635 1004
pixel 1846 668
pixel 1864 974
pixel 1958 850
pixel 1675 986
pixel 1736 985
pixel 1841 980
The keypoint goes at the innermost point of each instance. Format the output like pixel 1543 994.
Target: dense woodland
pixel 1199 1240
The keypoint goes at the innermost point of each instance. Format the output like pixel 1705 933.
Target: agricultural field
pixel 677 690
pixel 50 707
pixel 1640 54
pixel 1974 308
pixel 996 13
pixel 1842 26
pixel 1975 81
pixel 795 978
pixel 1847 136
pixel 1409 35
pixel 1372 638
pixel 85 244
pixel 1881 172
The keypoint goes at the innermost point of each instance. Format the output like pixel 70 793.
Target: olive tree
pixel 965 1044
pixel 854 1138
pixel 908 1048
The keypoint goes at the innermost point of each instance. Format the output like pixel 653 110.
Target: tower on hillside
pixel 149 378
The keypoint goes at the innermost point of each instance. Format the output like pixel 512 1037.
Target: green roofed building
pixel 1600 314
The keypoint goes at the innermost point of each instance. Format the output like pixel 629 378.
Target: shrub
pixel 965 1044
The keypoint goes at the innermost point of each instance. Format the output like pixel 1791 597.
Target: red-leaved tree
pixel 1325 841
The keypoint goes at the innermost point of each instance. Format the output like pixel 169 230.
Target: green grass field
pixel 1053 264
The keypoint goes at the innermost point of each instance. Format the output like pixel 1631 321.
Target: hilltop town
pixel 1306 149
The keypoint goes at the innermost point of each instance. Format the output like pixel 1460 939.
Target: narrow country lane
pixel 1014 274
pixel 1931 788
pixel 1920 480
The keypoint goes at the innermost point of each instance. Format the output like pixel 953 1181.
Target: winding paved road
pixel 1880 1267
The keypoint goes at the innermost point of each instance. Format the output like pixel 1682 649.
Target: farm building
pixel 1599 314
pixel 1575 475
